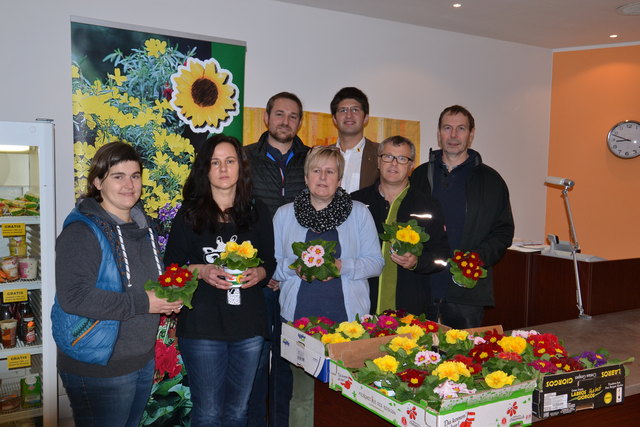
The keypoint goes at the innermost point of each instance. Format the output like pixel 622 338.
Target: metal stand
pixel 574 249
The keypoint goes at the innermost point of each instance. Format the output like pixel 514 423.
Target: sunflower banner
pixel 165 94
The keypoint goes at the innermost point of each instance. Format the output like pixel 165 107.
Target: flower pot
pixel 237 276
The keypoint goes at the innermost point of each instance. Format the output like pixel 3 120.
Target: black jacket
pixel 488 227
pixel 265 173
pixel 413 292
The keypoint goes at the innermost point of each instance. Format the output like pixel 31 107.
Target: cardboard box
pixel 574 391
pixel 304 351
pixel 309 352
pixel 508 406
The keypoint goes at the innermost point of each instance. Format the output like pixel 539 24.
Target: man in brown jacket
pixel 350 112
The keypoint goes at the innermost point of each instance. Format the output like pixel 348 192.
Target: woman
pixel 108 221
pixel 325 211
pixel 221 342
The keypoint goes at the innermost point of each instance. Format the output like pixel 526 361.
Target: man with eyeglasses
pixel 350 113
pixel 404 283
pixel 475 203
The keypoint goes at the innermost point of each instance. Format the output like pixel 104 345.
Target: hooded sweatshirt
pixel 78 257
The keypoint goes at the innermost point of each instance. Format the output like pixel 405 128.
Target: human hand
pixel 215 276
pixel 274 285
pixel 161 305
pixel 408 260
pixel 252 276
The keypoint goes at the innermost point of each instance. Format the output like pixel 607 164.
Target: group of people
pixel 273 193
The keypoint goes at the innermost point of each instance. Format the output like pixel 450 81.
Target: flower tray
pixel 511 405
pixel 568 392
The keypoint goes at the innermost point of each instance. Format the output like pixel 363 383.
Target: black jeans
pixel 457 316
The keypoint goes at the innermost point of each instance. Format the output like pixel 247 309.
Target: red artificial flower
pixel 482 352
pixel 509 356
pixel 301 323
pixel 474 368
pixel 427 325
pixel 413 377
pixel 167 359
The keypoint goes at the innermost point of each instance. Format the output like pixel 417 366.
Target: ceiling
pixel 551 24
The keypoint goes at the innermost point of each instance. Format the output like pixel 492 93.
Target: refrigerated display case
pixel 27 218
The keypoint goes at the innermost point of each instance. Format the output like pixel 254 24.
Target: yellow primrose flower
pixel 407 344
pixel 451 370
pixel 351 329
pixel 232 246
pixel 224 255
pixel 247 250
pixel 513 344
pixel 455 335
pixel 333 338
pixel 155 47
pixel 499 379
pixel 415 331
pixel 387 363
pixel 407 319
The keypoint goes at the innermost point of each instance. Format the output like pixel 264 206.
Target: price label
pixel 15 295
pixel 11 230
pixel 19 361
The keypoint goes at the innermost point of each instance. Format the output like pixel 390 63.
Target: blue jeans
pixel 220 376
pixel 109 402
pixel 274 374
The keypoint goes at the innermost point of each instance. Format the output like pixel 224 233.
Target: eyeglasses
pixel 388 158
pixel 354 110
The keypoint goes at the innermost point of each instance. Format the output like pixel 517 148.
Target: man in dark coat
pixel 404 283
pixel 475 203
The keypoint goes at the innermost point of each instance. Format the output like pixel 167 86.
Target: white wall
pixel 408 72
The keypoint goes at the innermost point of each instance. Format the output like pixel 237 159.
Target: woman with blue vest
pixel 104 322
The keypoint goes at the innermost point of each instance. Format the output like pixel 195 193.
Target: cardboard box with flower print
pixel 508 406
pixel 311 354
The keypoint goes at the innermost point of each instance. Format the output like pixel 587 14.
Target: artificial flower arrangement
pixel 315 260
pixel 454 363
pixel 237 258
pixel 176 283
pixel 467 268
pixel 405 237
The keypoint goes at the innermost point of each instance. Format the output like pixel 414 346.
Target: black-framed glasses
pixel 402 160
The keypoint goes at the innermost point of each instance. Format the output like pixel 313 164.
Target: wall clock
pixel 623 139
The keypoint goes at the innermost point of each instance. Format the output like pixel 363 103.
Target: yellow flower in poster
pixel 75 72
pixel 117 77
pixel 155 47
pixel 204 96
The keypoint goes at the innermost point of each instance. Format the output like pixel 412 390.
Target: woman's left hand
pixel 253 276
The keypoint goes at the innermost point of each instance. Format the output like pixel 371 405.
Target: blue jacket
pixel 84 339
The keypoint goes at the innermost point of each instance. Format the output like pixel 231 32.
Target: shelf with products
pixel 27 257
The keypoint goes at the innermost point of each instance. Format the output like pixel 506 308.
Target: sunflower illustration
pixel 204 96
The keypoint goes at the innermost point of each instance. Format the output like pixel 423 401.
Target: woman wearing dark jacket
pixel 114 393
pixel 221 341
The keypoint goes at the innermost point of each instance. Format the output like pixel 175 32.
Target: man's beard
pixel 283 140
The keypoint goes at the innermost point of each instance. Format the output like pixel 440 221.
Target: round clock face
pixel 624 139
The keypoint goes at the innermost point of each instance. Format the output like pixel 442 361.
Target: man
pixel 277 170
pixel 350 112
pixel 475 203
pixel 404 283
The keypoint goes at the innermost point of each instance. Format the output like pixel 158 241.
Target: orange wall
pixel 592 90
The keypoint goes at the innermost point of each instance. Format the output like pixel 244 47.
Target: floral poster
pixel 164 94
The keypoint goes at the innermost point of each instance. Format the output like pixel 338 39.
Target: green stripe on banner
pixel 232 57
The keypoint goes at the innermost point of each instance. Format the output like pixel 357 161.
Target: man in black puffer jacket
pixel 277 170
